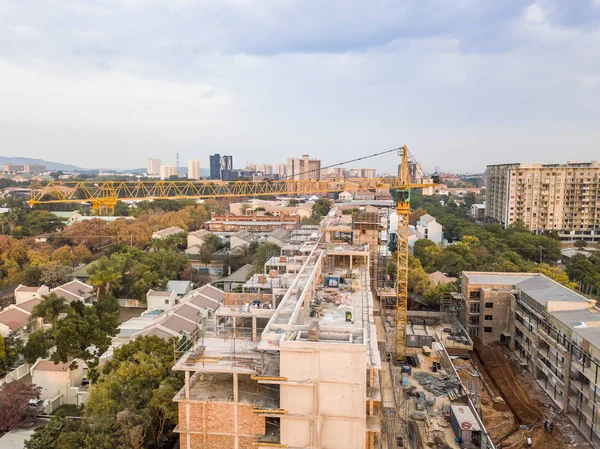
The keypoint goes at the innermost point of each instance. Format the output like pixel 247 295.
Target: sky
pixel 463 83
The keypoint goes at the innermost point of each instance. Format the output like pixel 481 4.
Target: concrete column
pixel 235 387
pixel 187 385
pixel 233 327
pixel 253 328
pixel 350 261
pixel 567 381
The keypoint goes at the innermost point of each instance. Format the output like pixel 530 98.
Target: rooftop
pixel 168 231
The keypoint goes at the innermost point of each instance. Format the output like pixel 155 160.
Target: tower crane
pixel 103 197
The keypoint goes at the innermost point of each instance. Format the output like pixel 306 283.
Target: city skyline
pixel 332 84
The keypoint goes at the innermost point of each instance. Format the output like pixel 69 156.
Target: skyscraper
pixel 193 169
pixel 219 164
pixel 153 167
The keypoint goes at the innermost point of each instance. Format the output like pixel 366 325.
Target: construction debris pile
pixel 440 386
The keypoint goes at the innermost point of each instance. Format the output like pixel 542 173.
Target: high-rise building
pixel 268 169
pixel 219 164
pixel 280 169
pixel 193 169
pixel 303 169
pixel 166 171
pixel 556 197
pixel 153 167
pixel 361 173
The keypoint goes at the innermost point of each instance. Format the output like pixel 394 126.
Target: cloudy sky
pixel 464 83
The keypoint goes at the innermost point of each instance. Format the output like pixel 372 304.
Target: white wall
pixel 158 302
pixel 54 383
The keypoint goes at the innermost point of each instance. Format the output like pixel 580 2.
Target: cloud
pixel 111 82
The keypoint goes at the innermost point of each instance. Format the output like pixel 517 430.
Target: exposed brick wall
pixel 219 422
pixel 220 442
pixel 248 422
pixel 219 417
pixel 196 442
pixel 196 416
pixel 236 299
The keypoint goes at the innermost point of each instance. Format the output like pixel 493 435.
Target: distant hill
pixel 49 165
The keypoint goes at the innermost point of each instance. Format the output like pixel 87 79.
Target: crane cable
pixel 343 163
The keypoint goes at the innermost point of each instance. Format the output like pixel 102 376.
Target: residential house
pixel 159 300
pixel 167 232
pixel 235 279
pixel 430 229
pixel 196 238
pixel 181 288
pixel 16 319
pixel 75 291
pixel 438 277
pixel 24 293
pixel 345 196
pixel 59 384
pixel 69 217
pixel 241 238
pixel 280 237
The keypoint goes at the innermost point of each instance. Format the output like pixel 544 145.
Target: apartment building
pixel 166 171
pixel 292 369
pixel 555 197
pixel 220 167
pixel 554 331
pixel 303 169
pixel 34 169
pixel 193 169
pixel 253 223
pixel 153 167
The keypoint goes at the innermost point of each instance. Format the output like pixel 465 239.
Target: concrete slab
pixel 15 439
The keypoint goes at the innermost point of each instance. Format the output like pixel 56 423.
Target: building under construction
pixel 305 363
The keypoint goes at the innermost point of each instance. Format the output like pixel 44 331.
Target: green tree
pixel 321 207
pixel 38 345
pixel 106 281
pixel 580 244
pixel 32 276
pixel 264 252
pixel 418 280
pixel 3 366
pixel 85 333
pixel 50 308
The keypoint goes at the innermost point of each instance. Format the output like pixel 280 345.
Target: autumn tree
pixel 14 403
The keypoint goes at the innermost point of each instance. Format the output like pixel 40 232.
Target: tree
pixel 32 276
pixel 38 345
pixel 580 244
pixel 415 215
pixel 14 403
pixel 3 365
pixel 293 202
pixel 321 207
pixel 85 333
pixel 50 308
pixel 64 255
pixel 54 274
pixel 105 281
pixel 418 280
pixel 264 252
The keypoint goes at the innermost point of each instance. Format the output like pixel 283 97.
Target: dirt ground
pixel 527 402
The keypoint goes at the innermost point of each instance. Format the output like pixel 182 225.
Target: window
pixel 473 321
pixel 489 305
pixel 487 330
pixel 166 301
pixel 489 317
pixel 474 308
